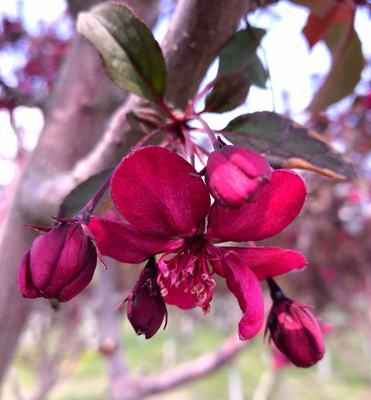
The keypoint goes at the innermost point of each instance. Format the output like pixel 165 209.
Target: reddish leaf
pixel 317 25
pixel 346 67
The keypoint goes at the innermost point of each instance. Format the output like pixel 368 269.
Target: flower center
pixel 186 270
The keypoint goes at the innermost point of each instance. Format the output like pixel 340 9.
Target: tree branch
pixel 195 369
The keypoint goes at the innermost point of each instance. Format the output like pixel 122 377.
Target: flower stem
pixel 210 133
pixel 86 211
pixel 154 133
pixel 275 291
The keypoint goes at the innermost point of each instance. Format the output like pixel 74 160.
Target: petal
pixel 73 258
pixel 24 278
pixel 267 262
pixel 242 282
pixel 79 282
pixel 125 243
pixel 160 193
pixel 274 207
pixel 44 256
pixel 177 295
pixel 234 173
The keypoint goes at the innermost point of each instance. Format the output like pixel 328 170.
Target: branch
pixel 122 381
pixel 192 20
pixel 198 31
pixel 195 369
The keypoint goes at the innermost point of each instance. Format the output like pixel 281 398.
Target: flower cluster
pixel 170 222
pixel 167 210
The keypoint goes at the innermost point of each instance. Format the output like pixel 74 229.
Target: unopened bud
pixel 295 330
pixel 60 263
pixel 146 307
pixel 234 173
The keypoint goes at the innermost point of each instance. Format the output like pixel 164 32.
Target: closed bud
pixel 234 173
pixel 146 307
pixel 295 330
pixel 60 263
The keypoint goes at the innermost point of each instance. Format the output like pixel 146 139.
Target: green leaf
pixel 79 196
pixel 240 53
pixel 131 55
pixel 346 67
pixel 288 144
pixel 239 66
pixel 240 50
pixel 229 92
pixel 257 73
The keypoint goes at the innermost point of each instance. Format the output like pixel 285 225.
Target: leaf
pixel 318 25
pixel 257 73
pixel 240 50
pixel 288 144
pixel 318 6
pixel 240 53
pixel 238 67
pixel 346 67
pixel 131 55
pixel 332 22
pixel 79 196
pixel 229 92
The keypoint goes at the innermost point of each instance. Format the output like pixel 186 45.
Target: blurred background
pixel 80 350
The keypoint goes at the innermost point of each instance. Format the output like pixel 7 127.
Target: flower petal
pixel 82 280
pixel 274 207
pixel 25 279
pixel 267 262
pixel 177 295
pixel 125 243
pixel 160 193
pixel 242 282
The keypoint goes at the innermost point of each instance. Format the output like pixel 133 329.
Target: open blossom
pixel 234 173
pixel 60 263
pixel 294 330
pixel 167 210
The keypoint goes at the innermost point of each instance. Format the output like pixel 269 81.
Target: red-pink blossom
pixel 166 207
pixel 234 173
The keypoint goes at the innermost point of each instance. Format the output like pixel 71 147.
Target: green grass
pixel 350 378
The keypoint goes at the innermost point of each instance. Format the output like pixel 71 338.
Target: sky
pixel 294 69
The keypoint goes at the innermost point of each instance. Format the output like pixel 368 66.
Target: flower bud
pixel 60 263
pixel 146 307
pixel 295 331
pixel 234 173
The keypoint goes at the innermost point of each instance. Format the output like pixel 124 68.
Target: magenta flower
pixel 167 210
pixel 294 329
pixel 60 263
pixel 234 173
